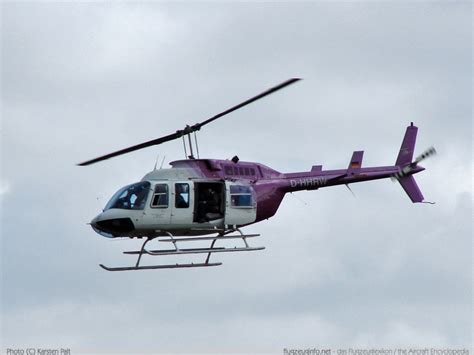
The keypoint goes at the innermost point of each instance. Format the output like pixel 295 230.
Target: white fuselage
pixel 173 201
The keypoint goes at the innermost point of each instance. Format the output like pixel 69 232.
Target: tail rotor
pixel 407 167
pixel 410 168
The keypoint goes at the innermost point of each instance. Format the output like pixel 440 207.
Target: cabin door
pixel 241 204
pixel 182 203
pixel 157 214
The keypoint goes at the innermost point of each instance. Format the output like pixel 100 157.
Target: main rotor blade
pixel 167 138
pixel 189 129
pixel 245 103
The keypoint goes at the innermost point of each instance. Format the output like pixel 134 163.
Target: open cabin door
pixel 209 203
pixel 241 204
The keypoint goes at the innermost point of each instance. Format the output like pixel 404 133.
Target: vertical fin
pixel 411 188
pixel 405 154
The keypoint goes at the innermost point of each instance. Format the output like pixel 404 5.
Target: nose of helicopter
pixel 111 227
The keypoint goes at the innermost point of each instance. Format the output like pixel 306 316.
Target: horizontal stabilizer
pixel 411 188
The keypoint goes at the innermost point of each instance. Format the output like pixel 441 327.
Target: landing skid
pixel 190 251
pixel 153 267
pixel 223 235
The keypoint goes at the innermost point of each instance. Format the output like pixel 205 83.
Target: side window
pixel 241 196
pixel 160 196
pixel 181 195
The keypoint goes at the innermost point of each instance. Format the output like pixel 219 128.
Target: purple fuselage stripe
pixel 271 185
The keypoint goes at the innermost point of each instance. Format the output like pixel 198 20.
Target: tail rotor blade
pixel 407 169
pixel 427 153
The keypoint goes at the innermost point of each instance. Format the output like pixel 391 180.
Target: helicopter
pixel 212 199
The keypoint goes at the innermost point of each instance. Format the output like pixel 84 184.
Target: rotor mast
pixel 190 145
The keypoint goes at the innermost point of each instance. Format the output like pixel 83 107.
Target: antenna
pixel 156 162
pixel 352 192
pixel 161 166
pixel 299 199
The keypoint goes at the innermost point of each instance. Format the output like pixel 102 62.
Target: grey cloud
pixel 79 80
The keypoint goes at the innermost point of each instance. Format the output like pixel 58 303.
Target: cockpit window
pixel 131 197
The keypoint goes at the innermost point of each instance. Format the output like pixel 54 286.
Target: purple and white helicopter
pixel 211 200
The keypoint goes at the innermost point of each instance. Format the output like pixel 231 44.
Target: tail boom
pixel 402 171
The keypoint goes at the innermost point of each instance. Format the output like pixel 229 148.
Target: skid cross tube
pixel 209 254
pixel 142 251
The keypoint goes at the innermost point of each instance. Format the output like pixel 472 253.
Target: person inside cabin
pixel 213 205
pixel 209 205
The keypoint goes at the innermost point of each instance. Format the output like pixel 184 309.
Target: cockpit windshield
pixel 131 197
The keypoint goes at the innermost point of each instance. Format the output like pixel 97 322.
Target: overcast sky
pixel 81 80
